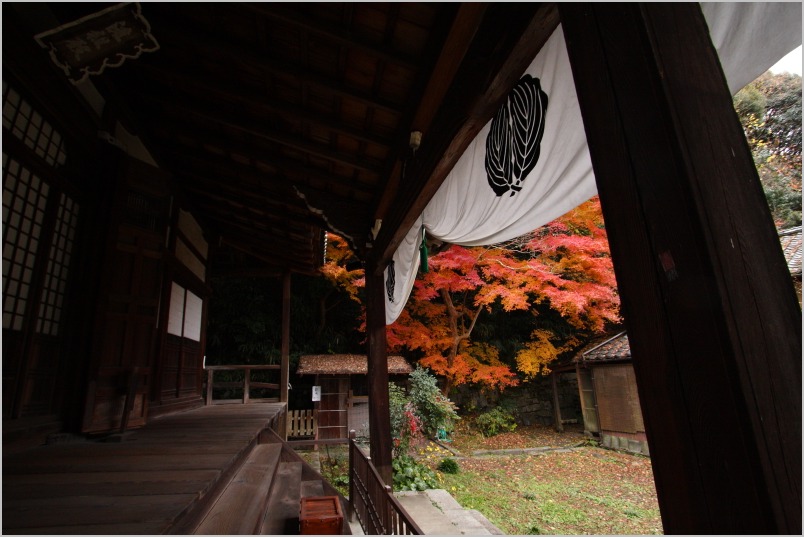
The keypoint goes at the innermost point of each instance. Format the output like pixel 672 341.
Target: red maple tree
pixel 565 265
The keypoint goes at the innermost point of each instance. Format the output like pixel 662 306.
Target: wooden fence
pixel 301 423
pixel 372 501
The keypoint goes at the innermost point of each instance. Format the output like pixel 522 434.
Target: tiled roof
pixel 347 364
pixel 791 245
pixel 614 348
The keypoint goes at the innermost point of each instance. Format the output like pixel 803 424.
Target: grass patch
pixel 572 493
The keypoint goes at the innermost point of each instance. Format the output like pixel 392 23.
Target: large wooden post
pixel 712 317
pixel 379 410
pixel 284 375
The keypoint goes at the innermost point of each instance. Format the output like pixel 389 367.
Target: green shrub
pixel 495 421
pixel 431 406
pixel 448 466
pixel 412 475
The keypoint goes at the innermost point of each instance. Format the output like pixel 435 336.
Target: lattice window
pixel 50 308
pixel 184 316
pixel 28 125
pixel 24 202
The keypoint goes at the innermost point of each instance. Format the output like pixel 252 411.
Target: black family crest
pixel 513 143
pixel 390 282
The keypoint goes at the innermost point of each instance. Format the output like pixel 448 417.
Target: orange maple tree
pixel 564 266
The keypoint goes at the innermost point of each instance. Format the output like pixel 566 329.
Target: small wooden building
pixel 344 403
pixel 609 398
pixel 607 382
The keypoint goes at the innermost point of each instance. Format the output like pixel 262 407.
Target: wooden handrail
pixel 372 501
pixel 241 366
pixel 245 384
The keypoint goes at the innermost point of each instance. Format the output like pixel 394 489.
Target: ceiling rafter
pixel 262 132
pixel 213 47
pixel 344 38
pixel 285 170
pixel 269 258
pixel 205 199
pixel 199 88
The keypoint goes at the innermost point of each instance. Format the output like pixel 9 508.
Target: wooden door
pixel 332 413
pixel 40 221
pixel 125 334
pixel 617 399
pixel 588 405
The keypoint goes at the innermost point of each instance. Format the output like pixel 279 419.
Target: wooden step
pixel 282 514
pixel 312 488
pixel 240 507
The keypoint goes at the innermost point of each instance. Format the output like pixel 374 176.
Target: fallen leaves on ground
pixel 466 439
pixel 588 490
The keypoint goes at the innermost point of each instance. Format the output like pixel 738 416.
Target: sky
pixel 790 63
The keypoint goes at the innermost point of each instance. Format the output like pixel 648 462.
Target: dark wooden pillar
pixel 284 375
pixel 712 317
pixel 379 410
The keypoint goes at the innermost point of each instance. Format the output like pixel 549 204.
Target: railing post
pixel 352 447
pixel 246 384
pixel 284 372
pixel 210 377
pixel 387 522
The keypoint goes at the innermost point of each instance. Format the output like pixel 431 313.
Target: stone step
pixel 438 513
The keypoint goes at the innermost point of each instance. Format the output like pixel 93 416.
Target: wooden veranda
pixel 177 475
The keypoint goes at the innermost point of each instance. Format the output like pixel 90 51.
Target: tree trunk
pixel 453 328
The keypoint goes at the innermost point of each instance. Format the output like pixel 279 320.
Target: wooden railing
pixel 246 384
pixel 372 501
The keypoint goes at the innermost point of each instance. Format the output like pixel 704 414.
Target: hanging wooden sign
pixel 104 39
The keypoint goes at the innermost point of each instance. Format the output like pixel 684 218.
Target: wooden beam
pixel 508 39
pixel 334 34
pixel 258 135
pixel 196 88
pixel 269 167
pixel 284 377
pixel 213 47
pixel 461 33
pixel 377 376
pixel 293 263
pixel 207 200
pixel 712 317
pixel 256 231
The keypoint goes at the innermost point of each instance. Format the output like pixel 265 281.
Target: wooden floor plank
pixel 59 512
pixel 186 461
pixel 32 491
pixel 124 478
pixel 148 527
pixel 144 483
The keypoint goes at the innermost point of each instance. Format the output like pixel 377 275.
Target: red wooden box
pixel 320 515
